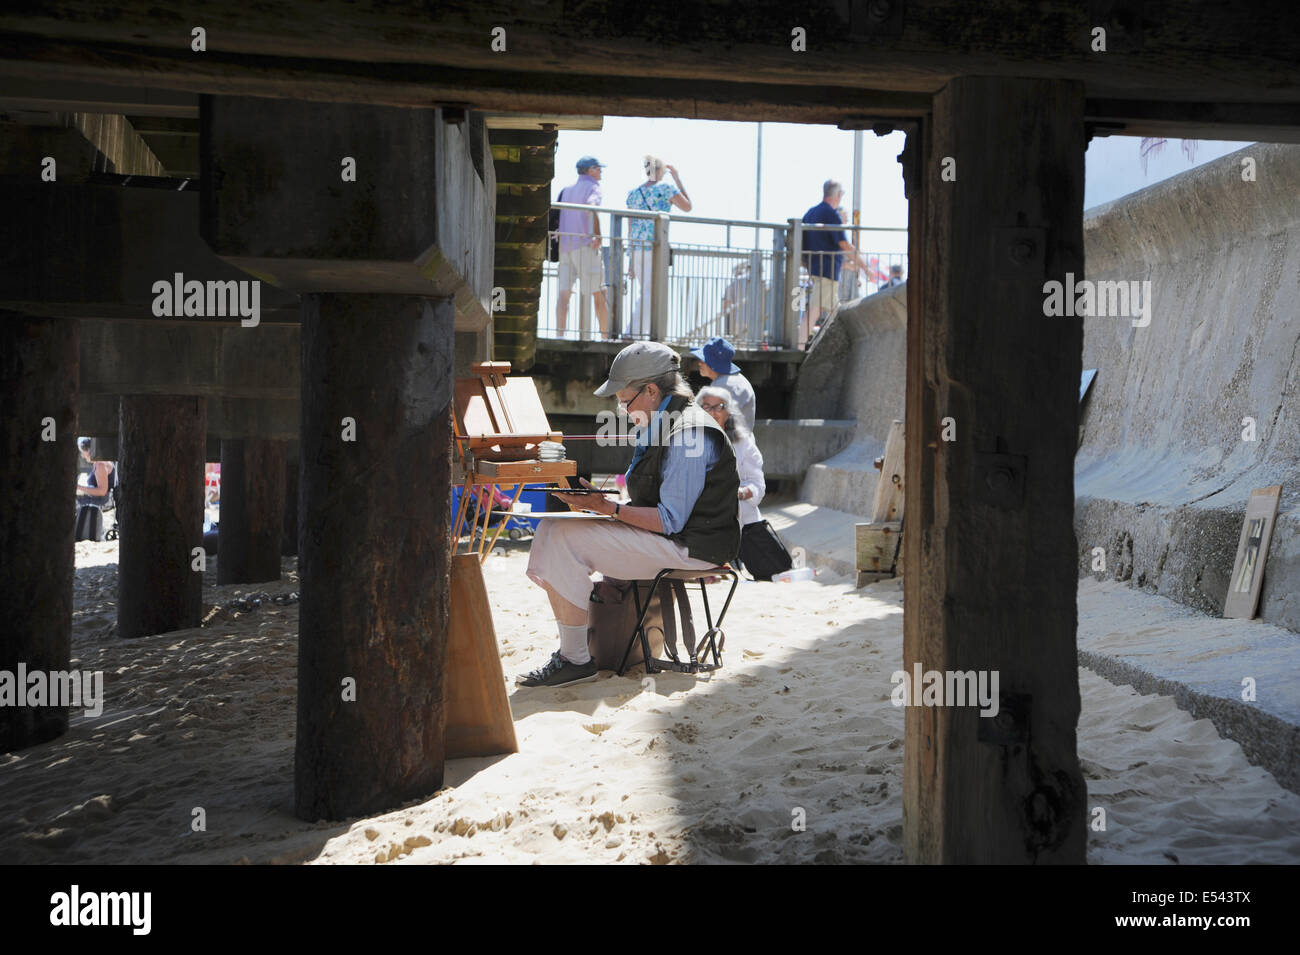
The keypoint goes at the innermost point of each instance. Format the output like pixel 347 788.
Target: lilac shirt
pixel 586 191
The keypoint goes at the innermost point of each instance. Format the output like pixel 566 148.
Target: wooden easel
pixel 498 424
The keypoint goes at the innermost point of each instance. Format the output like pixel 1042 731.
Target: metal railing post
pixel 790 309
pixel 754 300
pixel 659 288
pixel 775 316
pixel 616 324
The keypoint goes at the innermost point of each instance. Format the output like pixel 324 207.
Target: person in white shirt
pixel 716 365
pixel 749 460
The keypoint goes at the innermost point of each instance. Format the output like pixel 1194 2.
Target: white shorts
pixel 565 553
pixel 582 265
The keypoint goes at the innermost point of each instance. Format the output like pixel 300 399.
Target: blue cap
pixel 586 162
pixel 717 354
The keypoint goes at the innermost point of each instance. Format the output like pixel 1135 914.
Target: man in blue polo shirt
pixel 821 257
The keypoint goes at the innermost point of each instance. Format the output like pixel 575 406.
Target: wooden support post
pixel 376 495
pixel 38 472
pixel 161 447
pixel 252 510
pixel 991 577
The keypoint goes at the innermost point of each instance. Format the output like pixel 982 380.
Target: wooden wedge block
pixel 479 721
pixel 878 546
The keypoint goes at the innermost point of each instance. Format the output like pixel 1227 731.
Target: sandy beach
pixel 682 769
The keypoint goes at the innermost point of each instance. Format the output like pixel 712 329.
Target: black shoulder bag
pixel 761 551
pixel 553 228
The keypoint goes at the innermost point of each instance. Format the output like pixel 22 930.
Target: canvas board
pixel 1252 552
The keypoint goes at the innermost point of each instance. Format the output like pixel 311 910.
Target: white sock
pixel 573 643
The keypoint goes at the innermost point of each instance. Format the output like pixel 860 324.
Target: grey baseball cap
pixel 637 362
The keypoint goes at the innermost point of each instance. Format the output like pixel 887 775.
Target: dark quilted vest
pixel 712 531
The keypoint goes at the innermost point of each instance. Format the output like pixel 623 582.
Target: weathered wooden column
pixel 373 551
pixel 992 405
pixel 289 535
pixel 252 510
pixel 382 219
pixel 161 444
pixel 38 474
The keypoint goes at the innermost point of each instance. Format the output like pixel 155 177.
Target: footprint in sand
pixel 751 654
pixel 685 732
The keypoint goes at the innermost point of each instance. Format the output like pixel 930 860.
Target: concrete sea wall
pixel 1163 472
pixel 855 371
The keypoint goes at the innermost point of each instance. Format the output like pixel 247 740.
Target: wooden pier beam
pixel 992 405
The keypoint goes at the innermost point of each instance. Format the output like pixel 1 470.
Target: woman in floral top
pixel 653 195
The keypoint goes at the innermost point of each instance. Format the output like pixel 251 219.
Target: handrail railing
pixel 704 220
pixel 759 297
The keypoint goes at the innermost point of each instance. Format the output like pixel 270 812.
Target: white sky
pixel 716 162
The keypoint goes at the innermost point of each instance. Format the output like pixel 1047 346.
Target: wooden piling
pixel 252 510
pixel 373 551
pixel 38 472
pixel 161 448
pixel 991 579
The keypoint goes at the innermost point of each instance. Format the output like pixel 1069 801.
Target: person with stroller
pixel 95 495
pixel 99 481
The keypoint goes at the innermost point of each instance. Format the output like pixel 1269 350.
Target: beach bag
pixel 553 227
pixel 761 551
pixel 90 523
pixel 611 616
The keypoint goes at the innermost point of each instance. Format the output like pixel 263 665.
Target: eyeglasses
pixel 623 405
pixel 721 406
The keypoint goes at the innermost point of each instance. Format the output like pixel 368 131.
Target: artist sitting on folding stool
pixel 681 514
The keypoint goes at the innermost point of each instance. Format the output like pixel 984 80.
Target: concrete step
pixel 1159 646
pixel 1149 642
pixel 825 534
